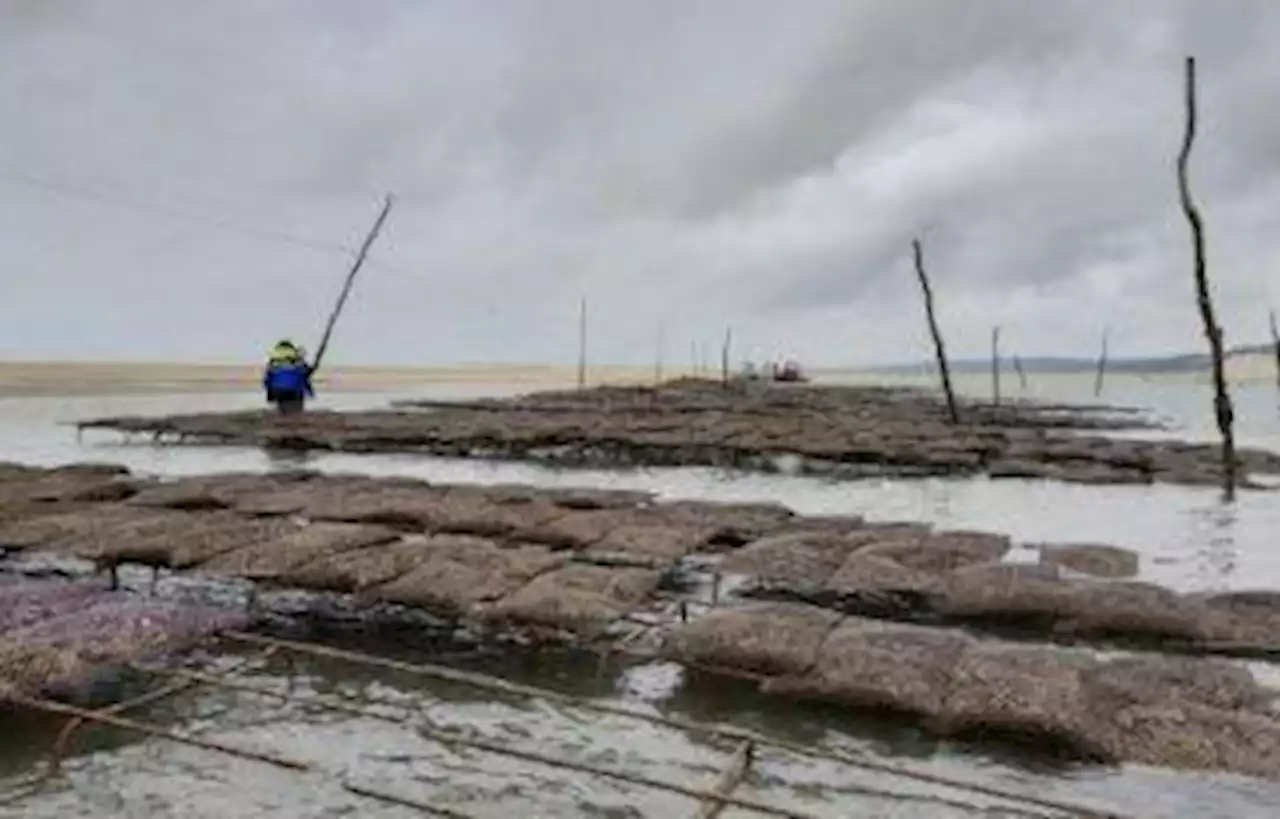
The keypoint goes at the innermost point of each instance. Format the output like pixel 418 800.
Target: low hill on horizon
pixel 1138 365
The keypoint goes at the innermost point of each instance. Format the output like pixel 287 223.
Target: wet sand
pixel 67 378
pixel 57 378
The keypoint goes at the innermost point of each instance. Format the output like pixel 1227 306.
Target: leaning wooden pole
pixel 995 365
pixel 1101 372
pixel 1223 412
pixel 582 342
pixel 939 348
pixel 351 278
pixel 1275 344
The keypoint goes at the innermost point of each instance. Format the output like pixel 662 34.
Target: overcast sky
pixel 185 179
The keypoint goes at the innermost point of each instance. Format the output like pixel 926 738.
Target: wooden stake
pixel 939 347
pixel 728 782
pixel 995 365
pixel 351 277
pixel 724 355
pixel 1223 412
pixel 1102 364
pixel 505 749
pixel 582 343
pixel 1275 343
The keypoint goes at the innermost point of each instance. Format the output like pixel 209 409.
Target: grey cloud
pixel 692 163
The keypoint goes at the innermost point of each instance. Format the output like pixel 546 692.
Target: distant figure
pixel 287 378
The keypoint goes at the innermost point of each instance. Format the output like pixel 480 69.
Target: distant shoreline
pixel 67 378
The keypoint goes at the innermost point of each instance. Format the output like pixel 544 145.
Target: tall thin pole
pixel 1275 343
pixel 351 277
pixel 724 355
pixel 1022 374
pixel 1223 412
pixel 658 354
pixel 995 365
pixel 582 342
pixel 1101 372
pixel 939 348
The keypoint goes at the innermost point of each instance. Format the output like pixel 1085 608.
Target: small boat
pixel 789 372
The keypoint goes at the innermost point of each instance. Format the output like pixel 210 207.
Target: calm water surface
pixel 1188 539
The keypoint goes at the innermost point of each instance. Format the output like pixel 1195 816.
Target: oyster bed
pixel 838 432
pixel 623 571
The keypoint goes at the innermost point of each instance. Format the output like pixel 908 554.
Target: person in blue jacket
pixel 287 378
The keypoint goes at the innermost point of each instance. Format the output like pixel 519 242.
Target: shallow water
pixel 1188 539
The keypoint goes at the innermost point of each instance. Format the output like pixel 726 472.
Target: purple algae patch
pixel 55 635
pixel 24 604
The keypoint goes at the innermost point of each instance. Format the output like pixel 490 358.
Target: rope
pixel 210 745
pixel 719 796
pixel 53 766
pixel 486 682
pixel 64 736
pixel 445 737
pixel 404 801
pixel 49 706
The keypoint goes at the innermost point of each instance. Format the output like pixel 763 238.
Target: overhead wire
pixel 442 286
pixel 72 191
pixel 77 192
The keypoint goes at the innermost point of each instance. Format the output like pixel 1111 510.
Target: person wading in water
pixel 287 378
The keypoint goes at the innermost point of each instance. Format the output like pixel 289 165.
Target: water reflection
pixel 284 459
pixel 1216 523
pixel 146 778
pixel 1187 538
